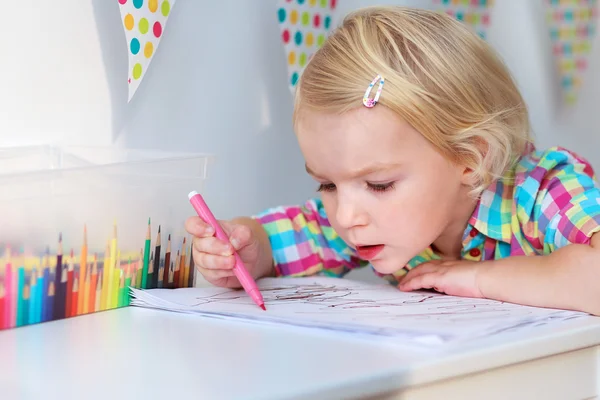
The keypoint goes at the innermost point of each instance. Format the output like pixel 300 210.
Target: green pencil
pixel 146 258
pixel 122 290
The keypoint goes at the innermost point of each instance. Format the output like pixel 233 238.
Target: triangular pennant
pixel 304 27
pixel 572 27
pixel 475 13
pixel 144 22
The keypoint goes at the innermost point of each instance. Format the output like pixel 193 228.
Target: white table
pixel 135 353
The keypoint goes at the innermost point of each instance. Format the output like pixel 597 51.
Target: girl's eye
pixel 380 187
pixel 326 187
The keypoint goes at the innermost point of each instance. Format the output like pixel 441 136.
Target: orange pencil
pixel 83 271
pixel 75 296
pixel 91 306
pixel 70 273
pixel 84 292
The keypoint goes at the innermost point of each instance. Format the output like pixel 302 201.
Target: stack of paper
pixel 426 318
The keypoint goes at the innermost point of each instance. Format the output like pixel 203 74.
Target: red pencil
pixel 75 296
pixel 2 296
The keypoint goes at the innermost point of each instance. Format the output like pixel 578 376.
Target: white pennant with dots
pixel 144 22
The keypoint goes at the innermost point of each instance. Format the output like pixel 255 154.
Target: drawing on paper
pixel 359 308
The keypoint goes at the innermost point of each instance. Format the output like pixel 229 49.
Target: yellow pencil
pixel 113 267
pixel 114 290
pixel 105 278
pixel 83 273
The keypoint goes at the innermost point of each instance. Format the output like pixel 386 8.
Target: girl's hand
pixel 456 278
pixel 214 258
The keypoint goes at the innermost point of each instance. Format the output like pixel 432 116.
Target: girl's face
pixel 386 190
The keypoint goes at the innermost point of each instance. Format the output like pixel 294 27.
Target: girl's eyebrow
pixel 376 167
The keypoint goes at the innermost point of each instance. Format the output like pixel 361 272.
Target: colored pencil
pixel 171 275
pixel 192 267
pixel 84 292
pixel 161 272
pixel 74 296
pixel 50 301
pixel 19 306
pixel 157 246
pixel 2 305
pixel 167 264
pixel 140 270
pixel 69 288
pixel 47 308
pixel 105 278
pixel 121 301
pixel 128 278
pixel 185 269
pixel 59 295
pixel 33 297
pixel 114 291
pixel 41 295
pixel 97 306
pixel 151 273
pixel 114 264
pixel 176 272
pixel 60 301
pixel 8 285
pixel 83 273
pixel 25 304
pixel 146 257
pixel 91 307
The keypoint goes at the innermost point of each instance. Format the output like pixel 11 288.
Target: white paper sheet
pixel 424 318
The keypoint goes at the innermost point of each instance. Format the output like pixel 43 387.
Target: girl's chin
pixel 387 266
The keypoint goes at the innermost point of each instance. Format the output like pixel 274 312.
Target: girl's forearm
pixel 569 278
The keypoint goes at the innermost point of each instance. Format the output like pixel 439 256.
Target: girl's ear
pixel 471 176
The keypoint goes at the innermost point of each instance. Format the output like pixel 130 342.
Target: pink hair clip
pixel 368 102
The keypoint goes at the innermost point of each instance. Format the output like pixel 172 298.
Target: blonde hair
pixel 440 77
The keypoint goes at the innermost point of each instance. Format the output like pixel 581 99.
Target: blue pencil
pixel 39 304
pixel 50 301
pixel 33 297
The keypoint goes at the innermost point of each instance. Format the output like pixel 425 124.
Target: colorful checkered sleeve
pixel 562 198
pixel 304 243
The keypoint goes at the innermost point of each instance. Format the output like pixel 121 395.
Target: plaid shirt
pixel 548 200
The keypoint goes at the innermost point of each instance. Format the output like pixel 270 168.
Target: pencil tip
pixel 60 236
pixel 148 220
pixel 263 307
pixel 169 236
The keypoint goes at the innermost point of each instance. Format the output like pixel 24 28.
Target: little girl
pixel 420 143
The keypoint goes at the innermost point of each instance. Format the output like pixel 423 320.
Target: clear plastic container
pixel 84 195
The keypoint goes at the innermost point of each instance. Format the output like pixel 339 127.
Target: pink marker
pixel 239 269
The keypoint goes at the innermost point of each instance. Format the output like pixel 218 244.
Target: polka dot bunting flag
pixel 572 25
pixel 475 13
pixel 144 22
pixel 304 27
